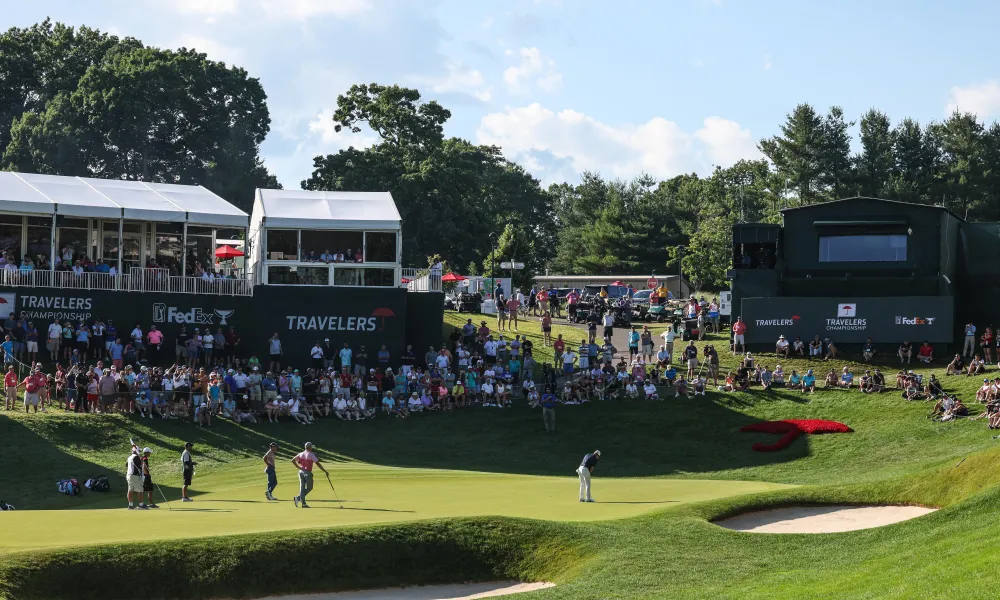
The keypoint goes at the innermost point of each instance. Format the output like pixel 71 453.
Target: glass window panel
pixel 10 241
pixel 11 219
pixel 192 230
pixel 277 275
pixel 380 277
pixel 233 233
pixel 170 228
pixel 347 276
pixel 40 221
pixel 168 251
pixel 317 243
pixel 40 245
pixel 285 241
pixel 62 221
pixel 199 255
pixel 132 227
pixel 862 248
pixel 110 226
pixel 380 247
pixel 72 244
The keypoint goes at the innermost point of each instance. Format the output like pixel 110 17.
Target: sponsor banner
pixel 850 320
pixel 300 316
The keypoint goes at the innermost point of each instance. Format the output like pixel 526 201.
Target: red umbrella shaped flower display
pixel 382 313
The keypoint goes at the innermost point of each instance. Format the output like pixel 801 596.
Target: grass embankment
pixel 894 455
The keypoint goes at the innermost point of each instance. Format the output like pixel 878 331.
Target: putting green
pixel 233 503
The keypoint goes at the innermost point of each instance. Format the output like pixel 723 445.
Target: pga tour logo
pixel 196 316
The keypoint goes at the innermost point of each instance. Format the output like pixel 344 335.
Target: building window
pixel 317 243
pixel 347 276
pixel 282 244
pixel 11 228
pixel 40 246
pixel 380 246
pixel 862 248
pixel 294 275
pixel 380 277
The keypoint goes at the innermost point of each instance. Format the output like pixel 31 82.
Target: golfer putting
pixel 585 470
pixel 304 462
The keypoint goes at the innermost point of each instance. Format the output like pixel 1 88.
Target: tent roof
pixel 115 199
pixel 298 209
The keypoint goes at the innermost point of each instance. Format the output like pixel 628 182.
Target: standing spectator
pixel 346 357
pixel 409 359
pixel 117 353
pixel 155 340
pixel 232 345
pixel 110 333
pixel 572 299
pixel 609 327
pixel 316 354
pixel 383 358
pixel 986 343
pixel 82 341
pixel 691 355
pixel 275 352
pixel 512 306
pixel 98 338
pixel 968 348
pixel 136 339
pixel 329 352
pixel 739 331
pixel 219 348
pixel 10 387
pixel 501 313
pixel 31 335
pixel 180 344
pixel 208 346
pixel 31 390
pixel 54 340
pixel 549 402
pixel 646 340
pixel 360 361
pixel 193 349
pixel 668 341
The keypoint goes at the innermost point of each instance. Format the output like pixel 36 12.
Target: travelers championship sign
pixel 850 320
pixel 301 316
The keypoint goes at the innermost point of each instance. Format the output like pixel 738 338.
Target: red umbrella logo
pixel 382 313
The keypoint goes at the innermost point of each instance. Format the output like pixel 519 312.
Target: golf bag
pixel 98 484
pixel 5 506
pixel 70 487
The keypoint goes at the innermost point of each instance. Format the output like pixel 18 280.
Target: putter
pixel 330 481
pixel 163 496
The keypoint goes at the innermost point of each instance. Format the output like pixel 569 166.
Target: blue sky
pixel 563 86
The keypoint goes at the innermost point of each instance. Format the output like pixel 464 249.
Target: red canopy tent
pixel 227 252
pixel 452 277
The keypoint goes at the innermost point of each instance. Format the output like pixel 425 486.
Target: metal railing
pixel 421 280
pixel 136 280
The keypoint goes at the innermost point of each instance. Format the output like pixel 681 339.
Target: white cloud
pixel 982 99
pixel 532 69
pixel 305 9
pixel 215 50
pixel 725 142
pixel 459 80
pixel 204 7
pixel 658 147
pixel 324 127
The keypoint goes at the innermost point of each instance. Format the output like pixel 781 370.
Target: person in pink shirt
pixel 572 299
pixel 512 306
pixel 155 338
pixel 304 462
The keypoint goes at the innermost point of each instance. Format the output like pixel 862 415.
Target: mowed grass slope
pixel 457 469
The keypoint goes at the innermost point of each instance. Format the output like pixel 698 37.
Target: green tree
pixel 875 164
pixel 913 163
pixel 837 175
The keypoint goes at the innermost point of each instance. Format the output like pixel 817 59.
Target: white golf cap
pixel 597 452
pixel 146 450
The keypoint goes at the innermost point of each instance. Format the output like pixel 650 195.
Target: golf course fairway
pixel 369 494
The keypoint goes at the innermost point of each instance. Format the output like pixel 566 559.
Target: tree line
pixel 76 101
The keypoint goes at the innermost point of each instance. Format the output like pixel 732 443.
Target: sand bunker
pixel 822 519
pixel 469 591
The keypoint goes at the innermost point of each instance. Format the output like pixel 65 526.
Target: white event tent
pixel 322 220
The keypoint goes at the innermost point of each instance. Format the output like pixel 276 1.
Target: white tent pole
pixel 52 257
pixel 121 242
pixel 184 251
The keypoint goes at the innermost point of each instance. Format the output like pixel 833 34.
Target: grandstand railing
pixel 136 280
pixel 421 280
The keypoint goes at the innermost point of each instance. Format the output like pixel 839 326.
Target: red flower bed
pixel 791 429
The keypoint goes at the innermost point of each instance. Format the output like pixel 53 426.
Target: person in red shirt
pixel 558 347
pixel 512 306
pixel 986 343
pixel 926 353
pixel 739 330
pixel 30 385
pixel 10 387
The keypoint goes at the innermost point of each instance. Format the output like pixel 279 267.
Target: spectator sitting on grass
pixel 778 376
pixel 794 381
pixel 831 379
pixel 670 374
pixel 815 348
pixel 846 379
pixel 933 387
pixel 782 347
pixel 983 393
pixel 144 405
pixel 905 352
pixel 955 367
pixel 662 357
pixel 798 347
pixel 831 349
pixel 631 391
pixel 681 387
pixel 809 382
pixel 865 383
pixel 868 350
pixel 926 353
pixel 766 378
pixel 650 391
pixel 976 367
pixel 911 391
